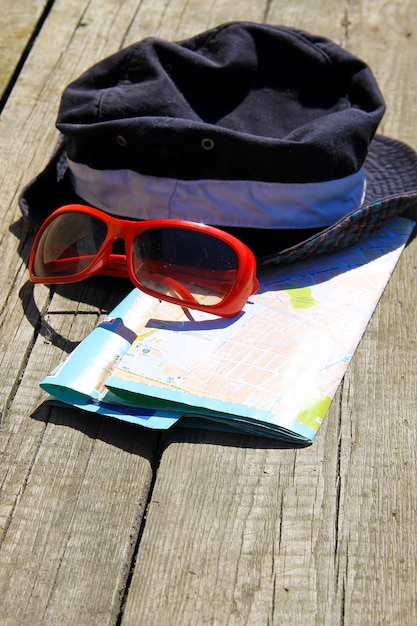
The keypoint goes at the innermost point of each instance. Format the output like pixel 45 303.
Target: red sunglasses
pixel 192 265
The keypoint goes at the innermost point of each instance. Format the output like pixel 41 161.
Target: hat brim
pixel 390 168
pixel 49 190
pixel 391 189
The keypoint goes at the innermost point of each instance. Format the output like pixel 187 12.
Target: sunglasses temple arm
pixel 187 313
pixel 178 290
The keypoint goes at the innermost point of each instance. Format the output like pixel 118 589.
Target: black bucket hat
pixel 265 131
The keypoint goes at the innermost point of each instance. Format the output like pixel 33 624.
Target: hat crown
pixel 242 101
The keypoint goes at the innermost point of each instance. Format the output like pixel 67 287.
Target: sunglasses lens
pixel 186 264
pixel 68 245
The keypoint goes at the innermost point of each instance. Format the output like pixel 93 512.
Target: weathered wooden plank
pixel 376 551
pixel 73 488
pixel 18 21
pixel 176 20
pixel 388 44
pixel 259 535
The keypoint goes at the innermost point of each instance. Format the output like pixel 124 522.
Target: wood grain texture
pixel 18 22
pixel 102 523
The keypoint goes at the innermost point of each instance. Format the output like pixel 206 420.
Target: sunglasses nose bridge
pixel 117 235
pixel 119 243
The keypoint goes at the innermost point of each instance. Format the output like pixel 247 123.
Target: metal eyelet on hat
pixel 207 143
pixel 121 140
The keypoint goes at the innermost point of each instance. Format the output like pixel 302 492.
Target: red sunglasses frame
pixel 120 265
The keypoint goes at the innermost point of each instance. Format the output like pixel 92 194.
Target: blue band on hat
pixel 243 203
